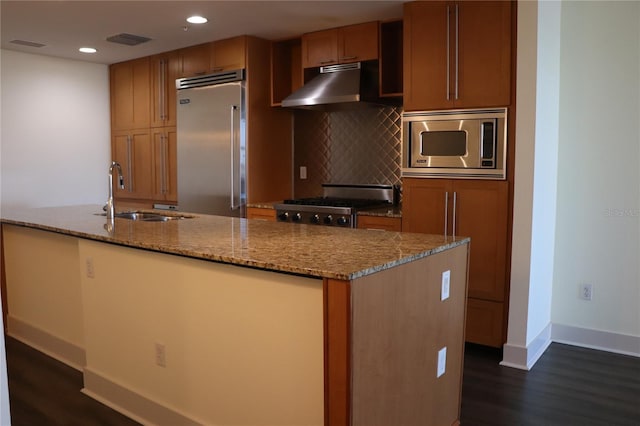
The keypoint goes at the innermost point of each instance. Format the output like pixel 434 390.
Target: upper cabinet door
pixel 358 42
pixel 320 48
pixel 484 54
pixel 130 94
pixel 165 69
pixel 353 43
pixel 228 54
pixel 457 54
pixel 426 55
pixel 195 60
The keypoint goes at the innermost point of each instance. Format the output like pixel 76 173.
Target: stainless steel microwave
pixel 457 143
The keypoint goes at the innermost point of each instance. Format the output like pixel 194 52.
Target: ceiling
pixel 65 26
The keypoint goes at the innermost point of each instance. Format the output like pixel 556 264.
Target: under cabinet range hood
pixel 343 84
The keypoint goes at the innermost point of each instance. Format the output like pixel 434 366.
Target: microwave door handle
pixel 446 212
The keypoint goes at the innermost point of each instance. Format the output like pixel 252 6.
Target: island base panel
pixel 243 346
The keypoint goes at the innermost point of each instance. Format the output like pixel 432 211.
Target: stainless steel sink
pixel 149 216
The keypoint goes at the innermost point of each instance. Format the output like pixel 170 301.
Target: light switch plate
pixel 442 361
pixel 303 172
pixel 446 280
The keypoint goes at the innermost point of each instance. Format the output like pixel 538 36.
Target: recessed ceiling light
pixel 197 20
pixel 87 50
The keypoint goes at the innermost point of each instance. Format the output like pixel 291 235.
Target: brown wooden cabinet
pixel 457 54
pixel 476 209
pixel 134 151
pixel 216 56
pixel 165 164
pixel 382 223
pixel 391 59
pixel 195 60
pixel 147 148
pixel 353 43
pixel 165 69
pixel 286 69
pixel 130 94
pixel 261 214
pixel 228 54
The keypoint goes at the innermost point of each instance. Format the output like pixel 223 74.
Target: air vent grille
pixel 128 39
pixel 27 43
pixel 340 67
pixel 210 79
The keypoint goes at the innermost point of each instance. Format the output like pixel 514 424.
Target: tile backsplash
pixel 357 146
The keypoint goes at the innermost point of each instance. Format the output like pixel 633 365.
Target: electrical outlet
pixel 586 291
pixel 89 268
pixel 442 361
pixel 303 172
pixel 161 355
pixel 446 279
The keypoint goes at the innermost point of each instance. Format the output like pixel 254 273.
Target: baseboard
pixel 524 357
pixel 133 405
pixel 57 348
pixel 596 339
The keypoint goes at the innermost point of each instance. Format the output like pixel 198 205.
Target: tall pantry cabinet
pixel 460 55
pixel 130 134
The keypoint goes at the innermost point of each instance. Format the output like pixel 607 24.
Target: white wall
pixel 598 232
pixel 535 182
pixel 577 222
pixel 55 137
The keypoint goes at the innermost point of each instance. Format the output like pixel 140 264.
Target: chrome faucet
pixel 111 207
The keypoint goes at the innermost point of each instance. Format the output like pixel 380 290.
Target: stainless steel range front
pixel 337 207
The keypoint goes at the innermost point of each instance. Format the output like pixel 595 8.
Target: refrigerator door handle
pixel 233 157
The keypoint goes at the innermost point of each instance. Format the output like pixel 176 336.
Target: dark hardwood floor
pixel 568 386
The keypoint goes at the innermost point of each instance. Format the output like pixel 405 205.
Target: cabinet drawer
pixel 485 322
pixel 380 223
pixel 261 214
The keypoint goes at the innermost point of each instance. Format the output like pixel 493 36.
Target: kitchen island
pixel 216 320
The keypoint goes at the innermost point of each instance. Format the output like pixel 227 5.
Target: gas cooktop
pixel 337 207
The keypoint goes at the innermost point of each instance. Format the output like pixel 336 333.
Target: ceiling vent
pixel 27 43
pixel 128 39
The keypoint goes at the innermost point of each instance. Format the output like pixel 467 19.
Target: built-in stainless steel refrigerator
pixel 211 145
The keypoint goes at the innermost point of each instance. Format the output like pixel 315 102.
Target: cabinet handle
pixel 457 56
pixel 455 212
pixel 233 160
pixel 446 212
pixel 348 58
pixel 448 60
pixel 165 66
pixel 162 84
pixel 163 159
pixel 129 167
pixel 217 69
pixel 327 62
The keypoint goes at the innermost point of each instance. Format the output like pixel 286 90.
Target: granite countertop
pixel 316 251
